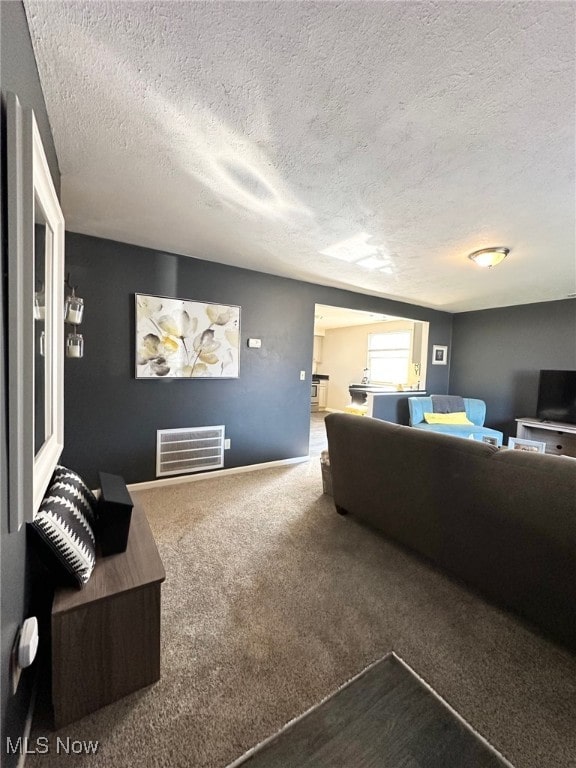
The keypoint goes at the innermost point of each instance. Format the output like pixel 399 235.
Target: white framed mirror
pixel 35 316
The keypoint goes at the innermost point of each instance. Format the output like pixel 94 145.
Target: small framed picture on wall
pixel 439 355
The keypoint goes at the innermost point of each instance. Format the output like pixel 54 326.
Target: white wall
pixel 317 352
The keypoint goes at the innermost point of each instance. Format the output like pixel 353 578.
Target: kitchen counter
pixel 383 402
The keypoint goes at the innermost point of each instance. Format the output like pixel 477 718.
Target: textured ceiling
pixel 260 134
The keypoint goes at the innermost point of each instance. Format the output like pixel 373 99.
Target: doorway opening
pixel 352 347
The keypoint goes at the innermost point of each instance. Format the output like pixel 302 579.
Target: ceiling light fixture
pixel 489 257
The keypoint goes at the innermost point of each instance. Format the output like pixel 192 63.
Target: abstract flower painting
pixel 177 338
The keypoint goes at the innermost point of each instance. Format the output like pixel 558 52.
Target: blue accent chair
pixel 475 411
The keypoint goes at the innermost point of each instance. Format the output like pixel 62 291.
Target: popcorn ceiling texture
pixel 260 133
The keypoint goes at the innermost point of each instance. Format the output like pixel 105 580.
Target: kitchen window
pixel 389 357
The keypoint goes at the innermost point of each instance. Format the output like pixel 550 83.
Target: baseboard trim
pixel 215 473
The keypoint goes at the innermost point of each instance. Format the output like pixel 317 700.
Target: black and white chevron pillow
pixel 67 482
pixel 65 523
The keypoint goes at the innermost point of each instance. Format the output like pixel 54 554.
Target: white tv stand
pixel 560 438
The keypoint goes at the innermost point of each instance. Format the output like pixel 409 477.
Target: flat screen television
pixel 557 396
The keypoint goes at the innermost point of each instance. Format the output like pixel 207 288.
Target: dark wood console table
pixel 106 637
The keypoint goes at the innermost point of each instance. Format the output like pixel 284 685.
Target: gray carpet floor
pixel 272 601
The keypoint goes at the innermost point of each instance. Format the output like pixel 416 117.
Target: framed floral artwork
pixel 182 339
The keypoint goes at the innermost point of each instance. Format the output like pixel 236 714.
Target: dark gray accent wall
pixel 111 418
pixel 497 355
pixel 18 73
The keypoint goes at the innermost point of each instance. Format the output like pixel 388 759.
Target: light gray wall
pixel 497 355
pixel 18 73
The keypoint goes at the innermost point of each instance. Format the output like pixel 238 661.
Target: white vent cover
pixel 191 449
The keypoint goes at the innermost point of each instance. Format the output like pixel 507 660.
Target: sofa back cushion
pixel 418 406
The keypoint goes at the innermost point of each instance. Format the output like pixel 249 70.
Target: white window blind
pixel 389 356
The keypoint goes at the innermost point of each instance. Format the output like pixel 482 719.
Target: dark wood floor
pixel 386 718
pixel 318 441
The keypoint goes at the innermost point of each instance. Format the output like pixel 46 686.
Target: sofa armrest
pixel 418 406
pixel 475 410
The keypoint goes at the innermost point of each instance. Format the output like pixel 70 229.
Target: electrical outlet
pixel 226 443
pixel 254 343
pixel 302 375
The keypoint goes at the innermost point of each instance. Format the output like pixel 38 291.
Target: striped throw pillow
pixel 65 523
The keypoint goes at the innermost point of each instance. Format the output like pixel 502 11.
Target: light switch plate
pixel 302 375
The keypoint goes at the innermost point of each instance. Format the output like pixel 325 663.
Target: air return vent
pixel 191 449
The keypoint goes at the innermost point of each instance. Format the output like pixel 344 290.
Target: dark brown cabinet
pixel 106 637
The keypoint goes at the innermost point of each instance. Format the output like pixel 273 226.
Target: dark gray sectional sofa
pixel 502 521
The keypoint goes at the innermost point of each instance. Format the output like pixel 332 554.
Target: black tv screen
pixel 557 396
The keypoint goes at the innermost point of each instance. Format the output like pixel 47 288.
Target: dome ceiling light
pixel 489 257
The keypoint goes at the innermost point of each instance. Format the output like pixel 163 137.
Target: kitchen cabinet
pixel 322 395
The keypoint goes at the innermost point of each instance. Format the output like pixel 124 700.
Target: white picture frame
pixel 439 354
pixel 531 446
pixel 30 192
